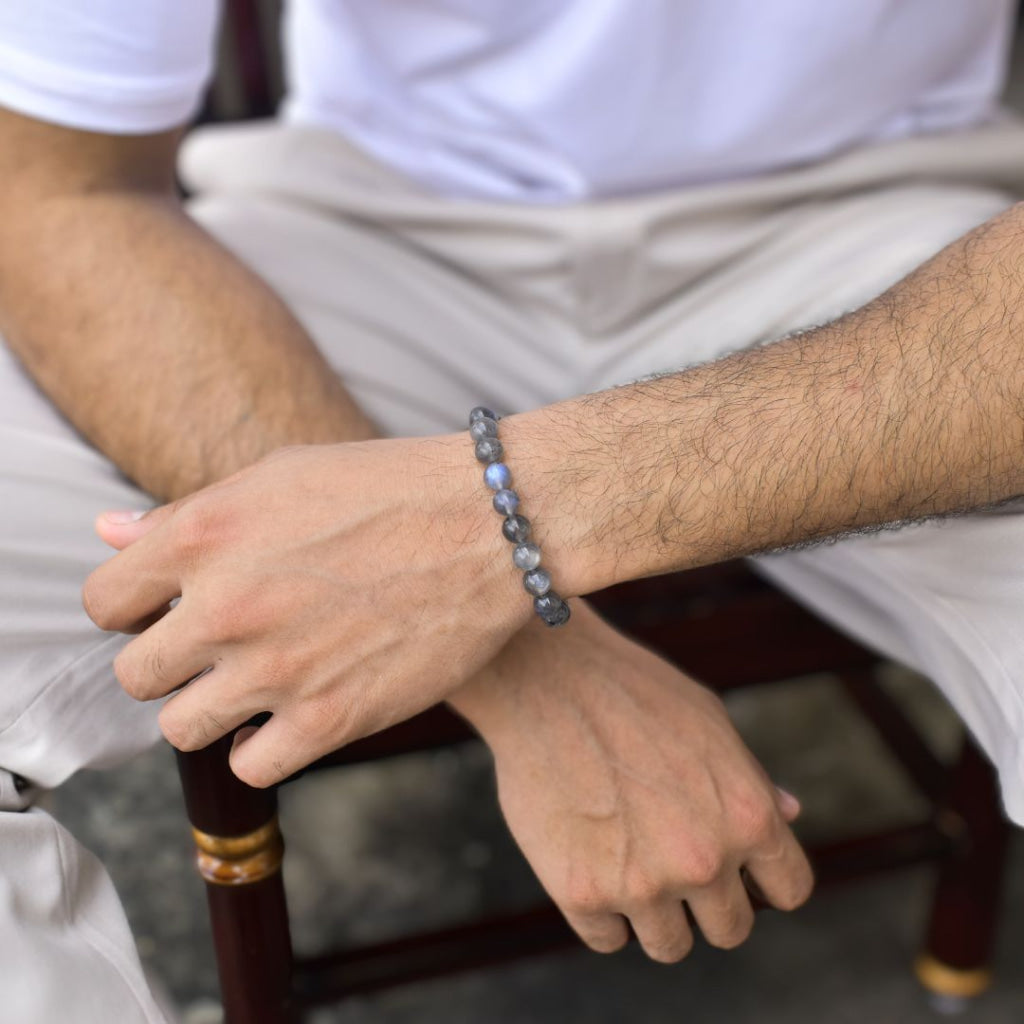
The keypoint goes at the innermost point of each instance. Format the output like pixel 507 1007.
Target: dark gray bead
pixel 526 556
pixel 552 609
pixel 489 450
pixel 537 582
pixel 497 476
pixel 516 529
pixel 483 428
pixel 506 501
pixel 481 412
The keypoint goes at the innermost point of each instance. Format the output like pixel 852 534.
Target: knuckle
pixel 735 932
pixel 254 775
pixel 643 889
pixel 797 893
pixel 96 605
pixel 195 528
pixel 154 664
pixel 175 732
pixel 258 770
pixel 700 867
pixel 193 732
pixel 753 816
pixel 607 943
pixel 585 896
pixel 669 952
pixel 790 900
pixel 131 679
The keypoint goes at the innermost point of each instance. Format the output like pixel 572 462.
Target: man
pixel 513 204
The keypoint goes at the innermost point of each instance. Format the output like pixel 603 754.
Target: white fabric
pixel 554 100
pixel 106 65
pixel 541 100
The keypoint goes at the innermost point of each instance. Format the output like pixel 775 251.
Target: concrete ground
pixel 419 842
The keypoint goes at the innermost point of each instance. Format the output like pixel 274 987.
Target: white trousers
pixel 427 307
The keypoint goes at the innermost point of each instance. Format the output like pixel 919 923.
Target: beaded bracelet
pixel 483 429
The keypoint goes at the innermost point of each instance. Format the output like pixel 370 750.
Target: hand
pixel 342 588
pixel 630 792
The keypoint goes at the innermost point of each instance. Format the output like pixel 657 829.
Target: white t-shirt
pixel 540 100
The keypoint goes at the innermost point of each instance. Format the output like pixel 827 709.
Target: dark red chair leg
pixel 956 960
pixel 239 852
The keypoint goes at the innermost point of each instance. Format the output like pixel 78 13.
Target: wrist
pixel 555 481
pixel 609 487
pixel 467 519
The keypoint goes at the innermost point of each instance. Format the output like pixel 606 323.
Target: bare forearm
pixel 910 407
pixel 158 345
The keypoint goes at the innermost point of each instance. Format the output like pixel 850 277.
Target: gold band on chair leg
pixel 240 860
pixel 951 981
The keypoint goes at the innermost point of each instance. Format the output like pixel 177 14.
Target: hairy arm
pixel 910 407
pixel 907 408
pixel 155 342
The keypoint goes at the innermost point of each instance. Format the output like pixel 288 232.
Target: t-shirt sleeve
pixel 118 66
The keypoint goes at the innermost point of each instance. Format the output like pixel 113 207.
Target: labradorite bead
pixel 537 582
pixel 552 609
pixel 506 501
pixel 481 412
pixel 497 476
pixel 526 556
pixel 483 428
pixel 489 449
pixel 516 529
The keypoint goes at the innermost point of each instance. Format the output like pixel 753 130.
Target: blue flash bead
pixel 482 428
pixel 552 609
pixel 506 501
pixel 526 556
pixel 497 476
pixel 516 529
pixel 489 450
pixel 481 412
pixel 537 582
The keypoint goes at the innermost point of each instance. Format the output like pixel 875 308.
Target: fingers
pixel 273 752
pixel 782 872
pixel 132 586
pixel 121 528
pixel 663 931
pixel 162 658
pixel 208 708
pixel 602 932
pixel 723 911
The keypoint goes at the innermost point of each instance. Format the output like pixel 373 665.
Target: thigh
pixel 60 706
pixel 944 597
pixel 417 340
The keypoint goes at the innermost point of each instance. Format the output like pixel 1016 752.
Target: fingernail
pixel 130 515
pixel 790 804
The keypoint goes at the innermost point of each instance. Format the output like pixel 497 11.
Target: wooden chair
pixel 697 619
